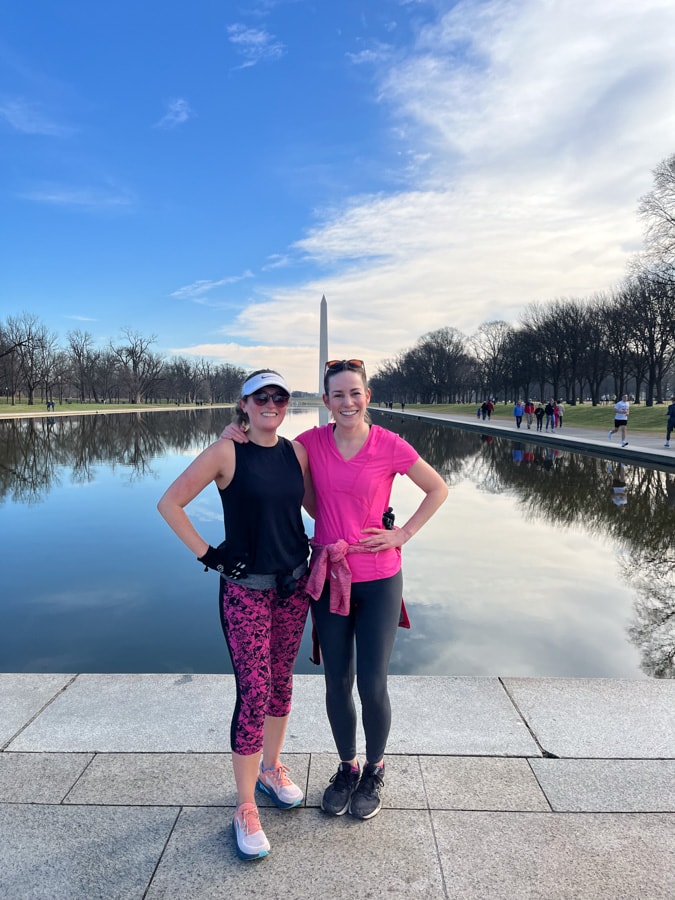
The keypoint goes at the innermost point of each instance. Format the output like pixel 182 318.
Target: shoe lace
pixel 371 781
pixel 278 775
pixel 248 819
pixel 342 779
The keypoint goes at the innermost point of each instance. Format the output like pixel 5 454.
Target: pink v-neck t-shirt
pixel 352 494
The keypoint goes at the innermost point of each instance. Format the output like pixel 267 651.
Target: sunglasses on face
pixel 338 364
pixel 260 398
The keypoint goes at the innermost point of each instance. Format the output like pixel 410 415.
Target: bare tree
pixel 35 345
pixel 226 383
pixel 650 303
pixel 489 346
pixel 544 320
pixel 595 363
pixel 9 365
pixel 140 367
pixel 84 359
pixel 657 210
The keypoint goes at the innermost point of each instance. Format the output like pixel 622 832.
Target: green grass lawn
pixel 642 418
pixel 75 407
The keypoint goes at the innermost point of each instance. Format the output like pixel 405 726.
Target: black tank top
pixel 261 505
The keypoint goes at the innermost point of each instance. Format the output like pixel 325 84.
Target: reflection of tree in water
pixel 576 491
pixel 652 575
pixel 571 490
pixel 35 452
pixel 29 461
pixel 448 450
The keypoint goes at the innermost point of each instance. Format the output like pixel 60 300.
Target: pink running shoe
pixel 248 833
pixel 276 784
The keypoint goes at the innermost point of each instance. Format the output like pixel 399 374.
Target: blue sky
pixel 205 171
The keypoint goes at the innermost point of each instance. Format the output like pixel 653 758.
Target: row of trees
pixel 33 365
pixel 616 342
pixel 613 343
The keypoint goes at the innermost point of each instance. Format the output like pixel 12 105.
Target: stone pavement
pixel 118 786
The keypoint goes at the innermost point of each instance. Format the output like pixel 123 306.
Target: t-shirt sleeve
pixel 403 454
pixel 305 438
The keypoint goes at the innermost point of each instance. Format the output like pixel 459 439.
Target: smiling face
pixel 347 399
pixel 265 419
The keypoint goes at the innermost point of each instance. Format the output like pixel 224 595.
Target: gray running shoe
pixel 336 797
pixel 366 800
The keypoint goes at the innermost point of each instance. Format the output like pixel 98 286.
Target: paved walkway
pixel 645 449
pixel 117 786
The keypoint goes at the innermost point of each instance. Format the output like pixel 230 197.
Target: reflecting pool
pixel 542 562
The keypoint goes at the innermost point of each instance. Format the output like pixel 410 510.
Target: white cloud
pixel 377 52
pixel 254 44
pixel 84 198
pixel 27 118
pixel 197 290
pixel 534 129
pixel 293 361
pixel 528 132
pixel 178 111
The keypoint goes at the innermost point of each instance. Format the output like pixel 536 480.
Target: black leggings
pixel 372 622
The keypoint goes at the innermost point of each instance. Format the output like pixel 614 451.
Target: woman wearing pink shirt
pixel 355 574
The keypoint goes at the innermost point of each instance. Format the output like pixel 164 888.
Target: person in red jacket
pixel 529 413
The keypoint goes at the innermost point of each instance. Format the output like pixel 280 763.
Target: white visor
pixel 263 380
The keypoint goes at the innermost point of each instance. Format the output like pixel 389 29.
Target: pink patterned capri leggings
pixel 263 634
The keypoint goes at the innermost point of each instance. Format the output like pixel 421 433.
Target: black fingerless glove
pixel 212 559
pixel 219 560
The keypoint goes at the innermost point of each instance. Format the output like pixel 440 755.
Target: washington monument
pixel 323 341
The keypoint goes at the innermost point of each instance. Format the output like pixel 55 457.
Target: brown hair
pixel 347 366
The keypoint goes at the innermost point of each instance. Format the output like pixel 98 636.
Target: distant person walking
pixel 621 410
pixel 559 414
pixel 529 413
pixel 518 412
pixel 549 409
pixel 539 415
pixel 670 424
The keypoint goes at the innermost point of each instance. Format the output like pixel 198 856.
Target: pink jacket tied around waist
pixel 340 573
pixel 340 584
pixel 340 576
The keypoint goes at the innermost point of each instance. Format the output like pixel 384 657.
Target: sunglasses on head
pixel 260 398
pixel 344 364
